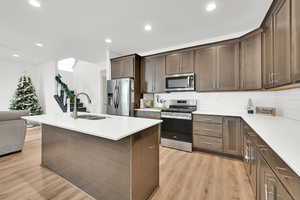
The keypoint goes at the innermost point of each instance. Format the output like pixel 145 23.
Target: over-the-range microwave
pixel 180 82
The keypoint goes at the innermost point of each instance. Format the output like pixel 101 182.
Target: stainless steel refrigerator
pixel 120 97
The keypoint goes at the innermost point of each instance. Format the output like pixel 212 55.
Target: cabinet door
pixel 148 75
pixel 296 39
pixel 187 62
pixel 251 63
pixel 173 63
pixel 282 44
pixel 270 188
pixel 145 160
pixel 228 67
pixel 116 67
pixel 127 67
pixel 205 69
pixel 160 72
pixel 232 139
pixel 268 56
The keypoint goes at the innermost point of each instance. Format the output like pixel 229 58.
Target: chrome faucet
pixel 75 114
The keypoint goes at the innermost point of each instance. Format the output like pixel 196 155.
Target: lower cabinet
pixel 207 133
pixel 232 137
pixel 269 187
pixel 208 143
pixel 147 114
pixel 218 134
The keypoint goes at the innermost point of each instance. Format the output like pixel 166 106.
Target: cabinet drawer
pixel 208 119
pixel 207 129
pixel 208 143
pixel 147 114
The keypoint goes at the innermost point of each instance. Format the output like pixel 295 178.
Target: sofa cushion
pixel 12 115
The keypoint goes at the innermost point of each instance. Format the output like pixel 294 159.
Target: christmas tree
pixel 25 97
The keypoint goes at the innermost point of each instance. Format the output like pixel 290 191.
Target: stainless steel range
pixel 177 127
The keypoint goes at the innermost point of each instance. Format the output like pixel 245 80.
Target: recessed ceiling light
pixel 16 55
pixel 39 44
pixel 108 40
pixel 35 3
pixel 211 6
pixel 148 27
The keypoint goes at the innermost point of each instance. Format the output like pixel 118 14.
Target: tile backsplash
pixel 286 102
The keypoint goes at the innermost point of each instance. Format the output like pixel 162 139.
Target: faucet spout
pixel 75 113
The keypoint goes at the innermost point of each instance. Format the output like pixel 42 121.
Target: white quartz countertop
pixel 113 127
pixel 281 134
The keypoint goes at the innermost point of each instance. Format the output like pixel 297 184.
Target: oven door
pixel 177 129
pixel 181 82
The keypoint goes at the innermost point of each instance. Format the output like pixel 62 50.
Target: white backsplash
pixel 286 102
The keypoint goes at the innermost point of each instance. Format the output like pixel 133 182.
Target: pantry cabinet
pixel 180 62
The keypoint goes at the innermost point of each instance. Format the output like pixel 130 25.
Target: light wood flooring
pixel 183 176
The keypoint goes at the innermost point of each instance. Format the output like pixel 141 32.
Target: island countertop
pixel 112 127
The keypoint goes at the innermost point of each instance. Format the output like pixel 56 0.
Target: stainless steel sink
pixel 91 117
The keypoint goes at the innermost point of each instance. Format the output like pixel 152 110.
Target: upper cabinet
pixel 282 44
pixel 217 67
pixel 251 62
pixel 296 40
pixel 123 67
pixel 228 66
pixel 268 56
pixel 277 57
pixel 206 68
pixel 181 62
pixel 153 74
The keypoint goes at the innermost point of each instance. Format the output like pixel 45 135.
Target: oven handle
pixel 183 118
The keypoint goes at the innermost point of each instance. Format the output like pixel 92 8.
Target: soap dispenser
pixel 250 107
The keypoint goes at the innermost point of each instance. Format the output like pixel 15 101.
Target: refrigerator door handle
pixel 118 96
pixel 114 97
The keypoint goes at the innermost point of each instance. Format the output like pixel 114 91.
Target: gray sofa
pixel 12 131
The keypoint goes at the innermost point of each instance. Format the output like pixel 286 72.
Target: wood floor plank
pixel 188 176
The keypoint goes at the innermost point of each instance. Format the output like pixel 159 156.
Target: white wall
pixel 287 102
pixel 10 73
pixel 91 78
pixel 47 87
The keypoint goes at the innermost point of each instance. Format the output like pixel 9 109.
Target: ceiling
pixel 77 28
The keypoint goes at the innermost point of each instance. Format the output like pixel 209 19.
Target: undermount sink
pixel 91 117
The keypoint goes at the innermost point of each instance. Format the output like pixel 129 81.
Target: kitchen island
pixel 112 158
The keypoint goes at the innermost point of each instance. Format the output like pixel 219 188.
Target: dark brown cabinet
pixel 123 67
pixel 206 69
pixel 181 62
pixel 232 137
pixel 228 66
pixel 251 62
pixel 282 44
pixel 153 75
pixel 296 40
